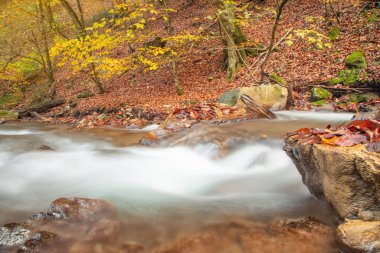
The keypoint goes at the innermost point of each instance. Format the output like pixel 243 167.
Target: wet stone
pixel 80 209
pixel 14 234
pixel 45 148
pixel 39 216
pixel 38 240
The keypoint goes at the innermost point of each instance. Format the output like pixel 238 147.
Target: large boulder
pixel 348 178
pixel 271 96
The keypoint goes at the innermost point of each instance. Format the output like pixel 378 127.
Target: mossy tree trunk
pixel 233 37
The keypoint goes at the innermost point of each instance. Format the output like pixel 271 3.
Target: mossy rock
pixel 84 94
pixel 277 78
pixel 356 60
pixel 361 97
pixel 318 103
pixel 333 33
pixel 8 115
pixel 318 94
pixel 230 97
pixel 347 77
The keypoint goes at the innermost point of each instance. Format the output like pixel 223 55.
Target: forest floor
pixel 200 73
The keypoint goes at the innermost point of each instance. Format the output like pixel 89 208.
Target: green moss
pixel 318 94
pixel 333 33
pixel 230 97
pixel 9 100
pixel 362 97
pixel 277 78
pixel 358 98
pixel 8 115
pixel 319 102
pixel 373 17
pixel 179 90
pixel 356 60
pixel 27 66
pixel 347 77
pixel 85 94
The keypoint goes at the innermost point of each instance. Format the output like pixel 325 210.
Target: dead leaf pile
pixel 209 111
pixel 356 132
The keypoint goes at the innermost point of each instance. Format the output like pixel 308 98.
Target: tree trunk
pixel 279 7
pixel 42 107
pixel 170 30
pixel 78 20
pixel 46 50
pixel 232 36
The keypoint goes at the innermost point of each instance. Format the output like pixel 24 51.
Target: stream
pixel 179 185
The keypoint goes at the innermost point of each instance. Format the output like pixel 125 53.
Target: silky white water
pixel 254 178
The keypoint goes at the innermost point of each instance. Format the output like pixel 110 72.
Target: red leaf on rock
pixel 350 140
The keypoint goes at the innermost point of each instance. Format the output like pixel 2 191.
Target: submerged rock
pixel 359 236
pixel 24 237
pixel 45 148
pixel 348 178
pixel 302 235
pixel 37 241
pixel 80 209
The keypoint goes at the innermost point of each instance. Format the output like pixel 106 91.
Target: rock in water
pixel 80 209
pixel 348 178
pixel 14 234
pixel 360 236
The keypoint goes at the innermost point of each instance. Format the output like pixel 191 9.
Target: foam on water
pixel 314 116
pixel 257 175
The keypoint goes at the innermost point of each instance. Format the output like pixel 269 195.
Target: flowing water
pixel 185 182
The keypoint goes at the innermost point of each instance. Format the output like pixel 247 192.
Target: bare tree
pixel 280 4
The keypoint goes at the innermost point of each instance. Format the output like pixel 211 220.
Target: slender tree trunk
pixel 232 36
pixel 170 29
pixel 280 6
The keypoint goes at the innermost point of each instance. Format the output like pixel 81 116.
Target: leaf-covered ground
pixel 296 60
